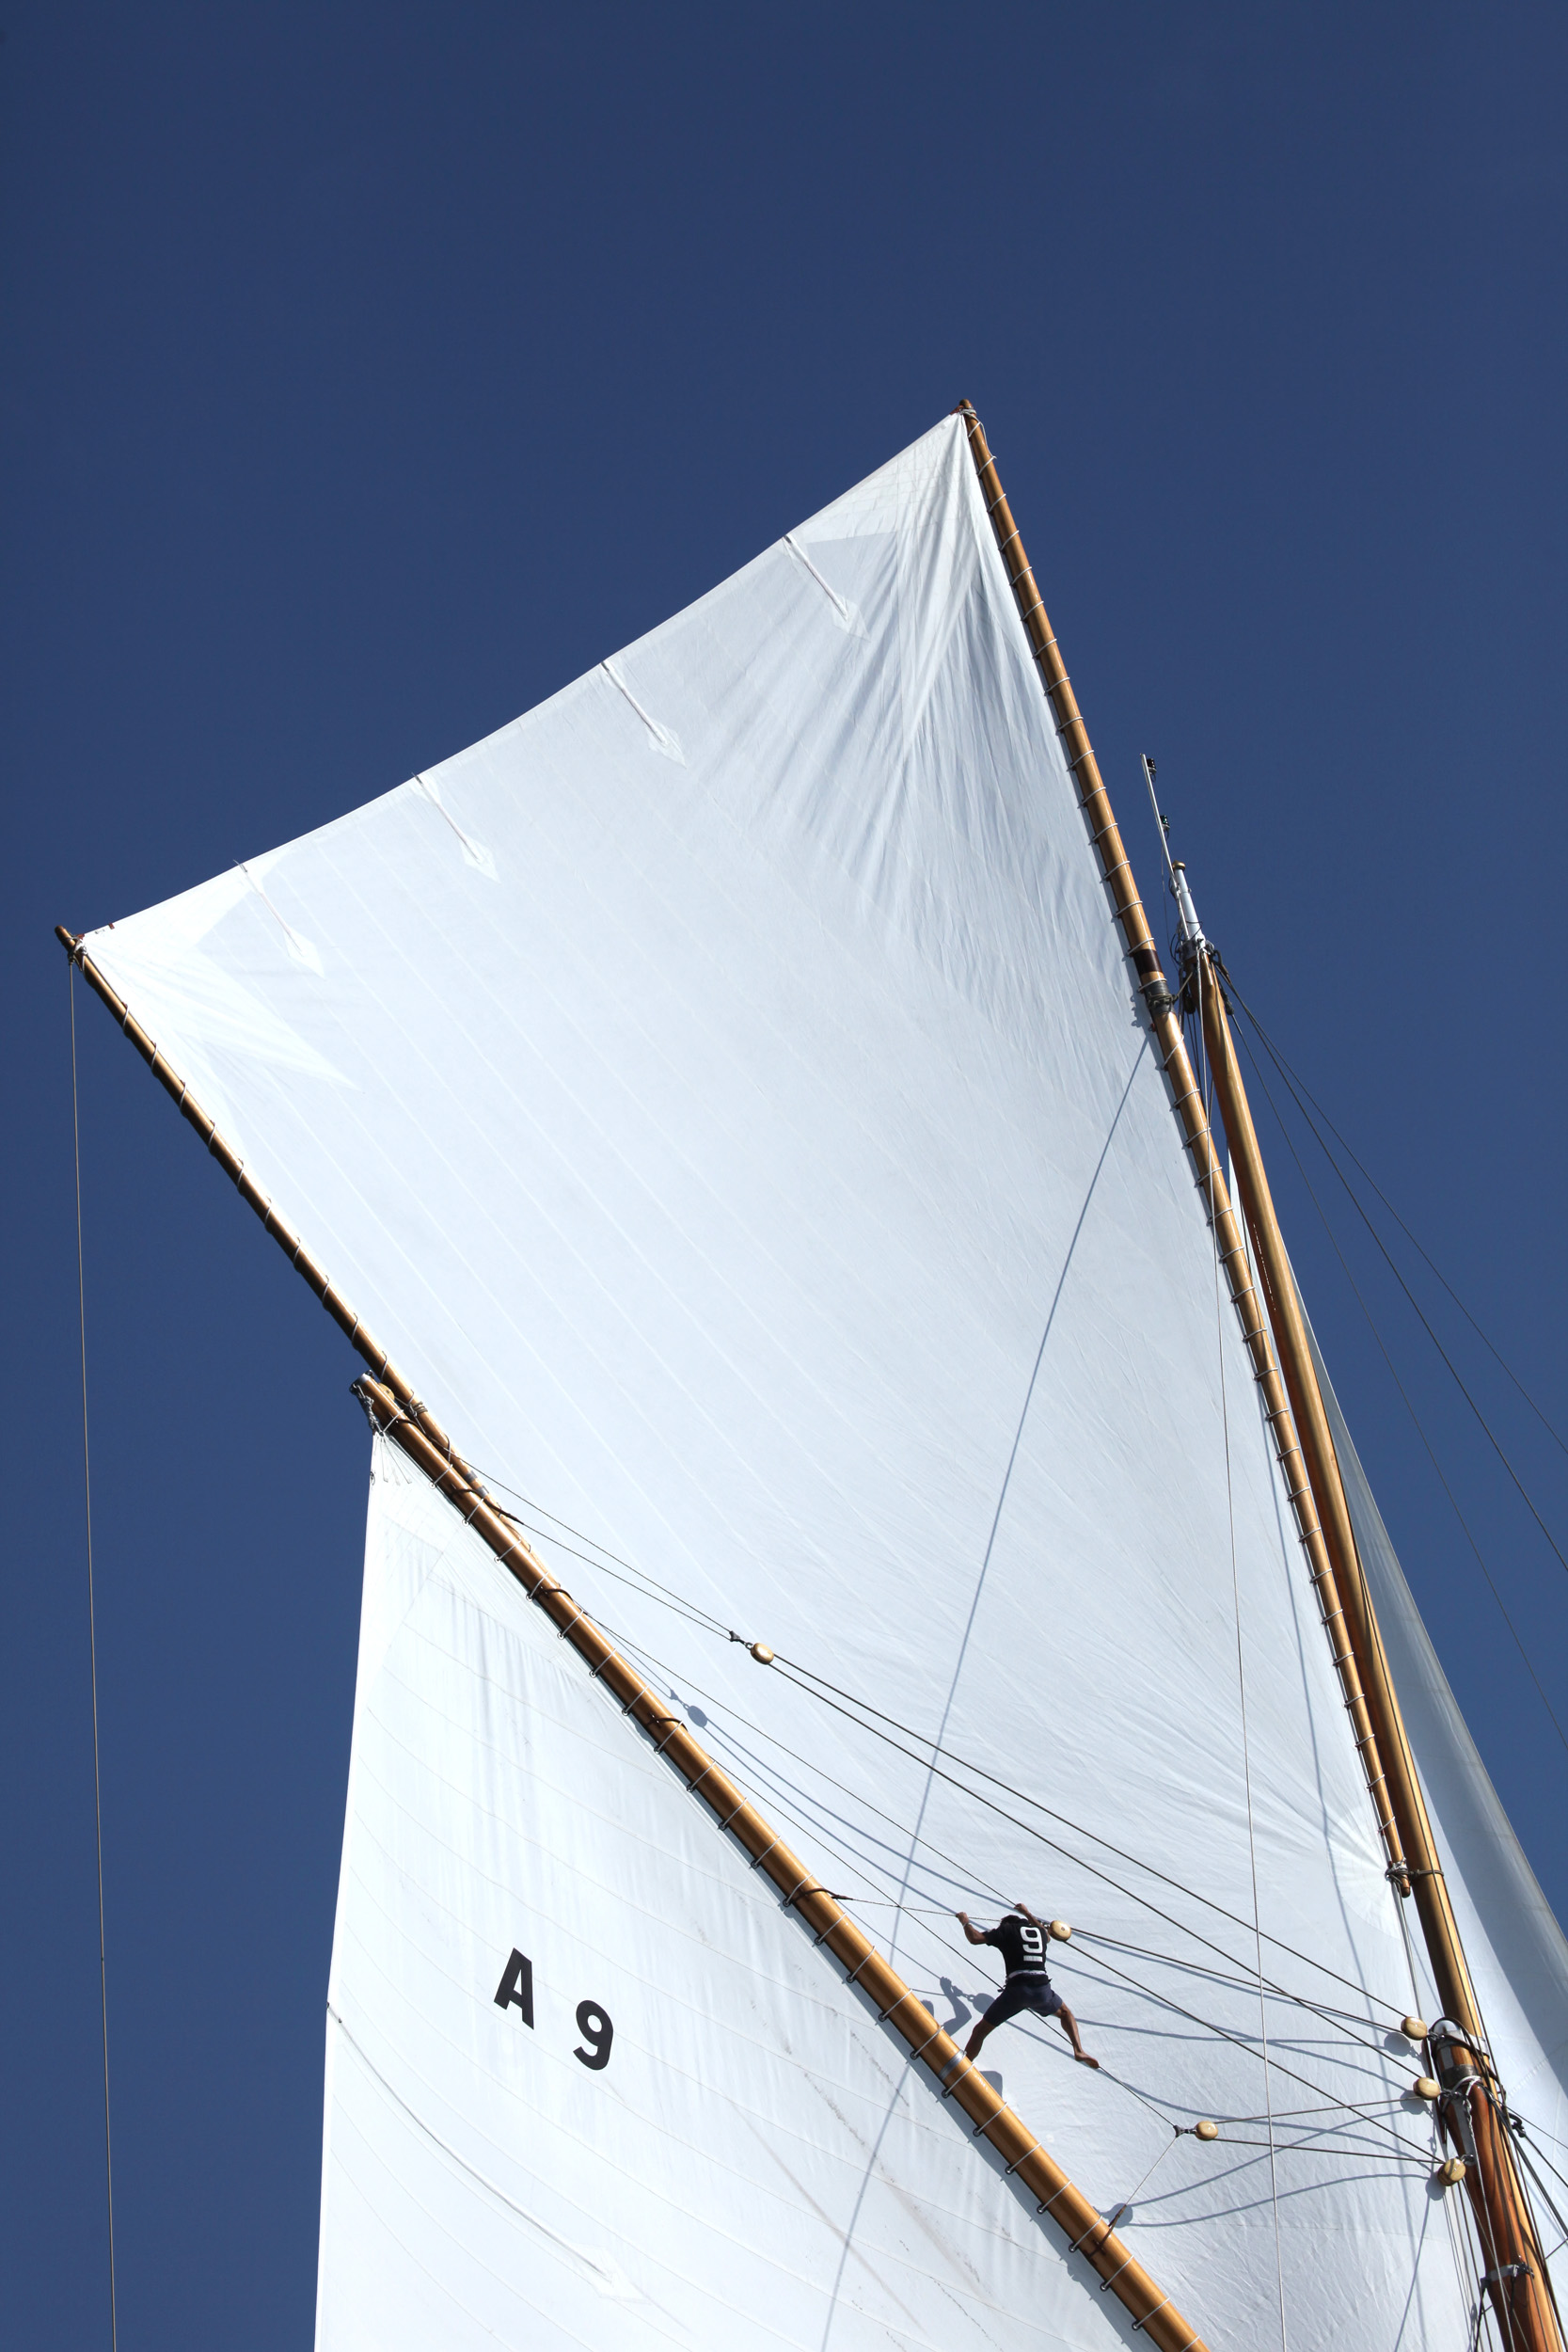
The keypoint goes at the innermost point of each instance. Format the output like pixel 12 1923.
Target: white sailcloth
pixel 723 1093
pixel 1518 1953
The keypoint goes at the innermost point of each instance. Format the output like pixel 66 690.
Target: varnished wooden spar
pixel 1517 2278
pixel 399 1415
pixel 1117 870
pixel 1515 2268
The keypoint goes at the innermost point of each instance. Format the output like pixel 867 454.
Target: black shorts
pixel 1031 1993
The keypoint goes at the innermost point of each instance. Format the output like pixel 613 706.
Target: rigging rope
pixel 815 1686
pixel 1200 966
pixel 1286 1073
pixel 92 1653
pixel 1371 1325
pixel 1162 2000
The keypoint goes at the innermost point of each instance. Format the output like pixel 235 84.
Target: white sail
pixel 1518 1953
pixel 723 1093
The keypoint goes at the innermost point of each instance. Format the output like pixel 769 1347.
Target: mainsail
pixel 724 1093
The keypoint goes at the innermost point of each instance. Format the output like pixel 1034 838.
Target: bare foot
pixel 1084 2060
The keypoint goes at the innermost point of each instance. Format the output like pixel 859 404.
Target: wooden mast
pixel 397 1412
pixel 1187 1102
pixel 1515 2267
pixel 1516 2274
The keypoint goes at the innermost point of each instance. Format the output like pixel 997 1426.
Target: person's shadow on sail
pixel 963 2010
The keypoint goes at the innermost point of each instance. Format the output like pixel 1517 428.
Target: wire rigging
pixel 1552 1431
pixel 1290 1080
pixel 1191 2016
pixel 855 1710
pixel 92 1653
pixel 1203 977
pixel 1409 1406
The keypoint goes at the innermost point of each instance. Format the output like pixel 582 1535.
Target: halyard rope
pixel 92 1654
pixel 1200 962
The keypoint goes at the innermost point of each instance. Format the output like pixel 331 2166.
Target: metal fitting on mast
pixel 1192 929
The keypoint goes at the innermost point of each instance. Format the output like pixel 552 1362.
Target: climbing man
pixel 1021 1942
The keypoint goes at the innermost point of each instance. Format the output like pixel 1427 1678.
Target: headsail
pixel 758 1160
pixel 1517 1952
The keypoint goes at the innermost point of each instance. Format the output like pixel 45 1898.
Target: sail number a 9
pixel 595 2024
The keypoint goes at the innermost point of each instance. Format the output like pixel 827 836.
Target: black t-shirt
pixel 1021 1944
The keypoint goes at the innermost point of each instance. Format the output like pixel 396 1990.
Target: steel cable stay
pixel 1204 2024
pixel 1294 1080
pixel 1404 1397
pixel 1491 1436
pixel 855 1710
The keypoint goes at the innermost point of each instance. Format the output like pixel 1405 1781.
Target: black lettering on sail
pixel 515 1988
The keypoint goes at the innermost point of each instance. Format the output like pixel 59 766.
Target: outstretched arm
pixel 975 1935
pixel 1030 1916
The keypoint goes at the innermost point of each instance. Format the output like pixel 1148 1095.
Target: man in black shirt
pixel 1021 1942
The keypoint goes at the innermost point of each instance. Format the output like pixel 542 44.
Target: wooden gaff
pixel 1515 2267
pixel 399 1415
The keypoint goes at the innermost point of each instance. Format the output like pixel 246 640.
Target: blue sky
pixel 371 371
